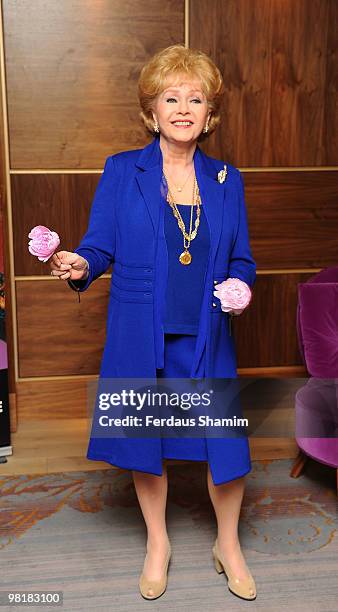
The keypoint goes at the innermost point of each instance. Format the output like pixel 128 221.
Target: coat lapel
pixel 149 180
pixel 212 196
pixel 212 192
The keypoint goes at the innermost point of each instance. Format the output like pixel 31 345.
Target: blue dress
pixel 184 295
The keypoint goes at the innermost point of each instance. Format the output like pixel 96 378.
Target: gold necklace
pixel 185 182
pixel 185 257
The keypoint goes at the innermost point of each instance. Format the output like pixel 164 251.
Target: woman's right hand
pixel 69 266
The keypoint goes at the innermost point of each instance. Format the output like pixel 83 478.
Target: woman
pixel 173 230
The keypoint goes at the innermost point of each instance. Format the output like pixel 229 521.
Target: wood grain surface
pixel 279 63
pixel 57 335
pixel 72 70
pixel 62 202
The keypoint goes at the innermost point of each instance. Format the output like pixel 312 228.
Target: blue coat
pixel 126 228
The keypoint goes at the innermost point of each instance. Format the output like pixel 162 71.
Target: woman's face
pixel 181 111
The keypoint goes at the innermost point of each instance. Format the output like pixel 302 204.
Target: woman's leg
pixel 151 492
pixel 227 500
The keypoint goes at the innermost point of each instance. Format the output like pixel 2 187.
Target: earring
pixel 206 127
pixel 156 127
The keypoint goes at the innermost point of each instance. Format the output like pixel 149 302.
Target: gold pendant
pixel 185 258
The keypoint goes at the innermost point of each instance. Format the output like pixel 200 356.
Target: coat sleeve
pixel 98 243
pixel 241 263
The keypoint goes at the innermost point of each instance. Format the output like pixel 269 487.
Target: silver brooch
pixel 221 176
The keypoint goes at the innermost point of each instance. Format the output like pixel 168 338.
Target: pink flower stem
pixel 230 322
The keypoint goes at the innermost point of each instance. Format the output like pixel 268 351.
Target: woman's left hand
pixel 235 295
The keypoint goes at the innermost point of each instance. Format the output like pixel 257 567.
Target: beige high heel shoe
pixel 243 588
pixel 157 587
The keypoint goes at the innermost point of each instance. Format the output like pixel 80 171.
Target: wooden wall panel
pixel 62 202
pixel 266 333
pixel 72 70
pixel 298 208
pixel 45 331
pixel 298 66
pixel 57 335
pixel 278 59
pixel 54 399
pixel 293 218
pixel 330 140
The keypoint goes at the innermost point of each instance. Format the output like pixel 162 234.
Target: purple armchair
pixel 316 403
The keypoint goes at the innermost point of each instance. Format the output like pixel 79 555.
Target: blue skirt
pixel 179 351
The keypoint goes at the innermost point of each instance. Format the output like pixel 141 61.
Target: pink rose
pixel 43 242
pixel 235 295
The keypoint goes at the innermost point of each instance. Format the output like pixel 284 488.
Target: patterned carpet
pixel 83 533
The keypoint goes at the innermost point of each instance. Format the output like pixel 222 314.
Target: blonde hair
pixel 177 60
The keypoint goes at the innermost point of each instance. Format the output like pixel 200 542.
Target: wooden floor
pixel 60 445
